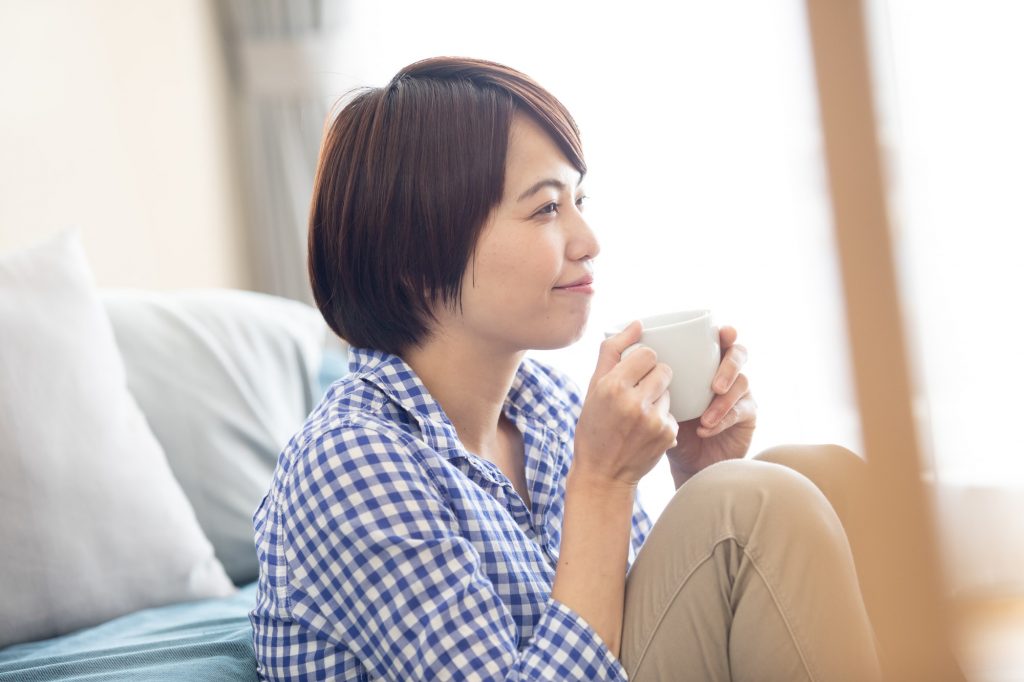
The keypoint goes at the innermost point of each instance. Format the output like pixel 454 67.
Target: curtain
pixel 277 51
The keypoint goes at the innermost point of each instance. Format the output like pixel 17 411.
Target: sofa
pixel 138 432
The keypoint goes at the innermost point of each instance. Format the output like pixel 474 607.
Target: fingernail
pixel 722 384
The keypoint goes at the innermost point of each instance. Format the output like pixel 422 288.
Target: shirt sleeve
pixel 374 561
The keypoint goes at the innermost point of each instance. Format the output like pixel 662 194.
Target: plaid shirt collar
pixel 397 380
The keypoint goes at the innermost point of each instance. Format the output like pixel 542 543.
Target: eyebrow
pixel 547 182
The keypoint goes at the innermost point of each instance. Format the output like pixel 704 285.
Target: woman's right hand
pixel 625 425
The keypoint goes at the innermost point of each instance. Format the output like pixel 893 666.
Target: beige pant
pixel 748 575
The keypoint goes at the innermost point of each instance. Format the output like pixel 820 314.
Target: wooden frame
pixel 900 570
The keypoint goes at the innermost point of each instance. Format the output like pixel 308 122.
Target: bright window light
pixel 707 189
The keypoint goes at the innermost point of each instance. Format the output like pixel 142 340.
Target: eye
pixel 580 201
pixel 549 208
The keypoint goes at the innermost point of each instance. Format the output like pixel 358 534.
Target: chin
pixel 540 330
pixel 560 338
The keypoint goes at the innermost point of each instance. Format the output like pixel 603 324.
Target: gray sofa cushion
pixel 224 378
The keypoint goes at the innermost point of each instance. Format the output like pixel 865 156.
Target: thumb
pixel 611 349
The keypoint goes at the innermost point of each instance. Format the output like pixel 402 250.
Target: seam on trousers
pixel 675 594
pixel 782 613
pixel 664 612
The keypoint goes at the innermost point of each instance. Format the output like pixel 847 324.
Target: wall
pixel 113 118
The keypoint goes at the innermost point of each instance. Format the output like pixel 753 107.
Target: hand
pixel 625 425
pixel 725 429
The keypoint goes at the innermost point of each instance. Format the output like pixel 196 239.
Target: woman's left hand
pixel 725 429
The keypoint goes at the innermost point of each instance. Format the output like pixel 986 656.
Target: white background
pixel 707 189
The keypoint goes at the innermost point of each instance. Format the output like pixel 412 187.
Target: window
pixel 707 189
pixel 706 185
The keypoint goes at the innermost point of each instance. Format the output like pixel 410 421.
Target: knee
pixel 751 477
pixel 839 473
pixel 809 459
pixel 757 494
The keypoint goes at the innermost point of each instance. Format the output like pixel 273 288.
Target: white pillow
pixel 92 523
pixel 224 378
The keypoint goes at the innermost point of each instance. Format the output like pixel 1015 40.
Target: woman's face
pixel 534 244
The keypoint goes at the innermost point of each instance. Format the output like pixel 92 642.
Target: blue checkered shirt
pixel 388 551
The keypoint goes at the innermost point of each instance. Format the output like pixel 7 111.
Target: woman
pixel 452 510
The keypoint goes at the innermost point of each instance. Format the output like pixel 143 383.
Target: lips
pixel 584 281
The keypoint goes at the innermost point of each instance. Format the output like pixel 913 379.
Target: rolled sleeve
pixel 568 648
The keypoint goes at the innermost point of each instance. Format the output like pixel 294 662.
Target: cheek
pixel 513 267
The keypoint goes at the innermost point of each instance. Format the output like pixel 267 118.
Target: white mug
pixel 687 342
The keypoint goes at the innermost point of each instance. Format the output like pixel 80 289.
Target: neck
pixel 470 381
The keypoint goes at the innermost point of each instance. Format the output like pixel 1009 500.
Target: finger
pixel 636 364
pixel 612 347
pixel 655 382
pixel 663 405
pixel 629 349
pixel 721 405
pixel 745 411
pixel 726 337
pixel 732 362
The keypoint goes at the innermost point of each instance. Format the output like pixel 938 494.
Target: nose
pixel 582 242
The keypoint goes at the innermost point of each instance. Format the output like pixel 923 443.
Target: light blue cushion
pixel 224 378
pixel 195 641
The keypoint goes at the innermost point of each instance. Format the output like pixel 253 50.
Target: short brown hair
pixel 407 177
